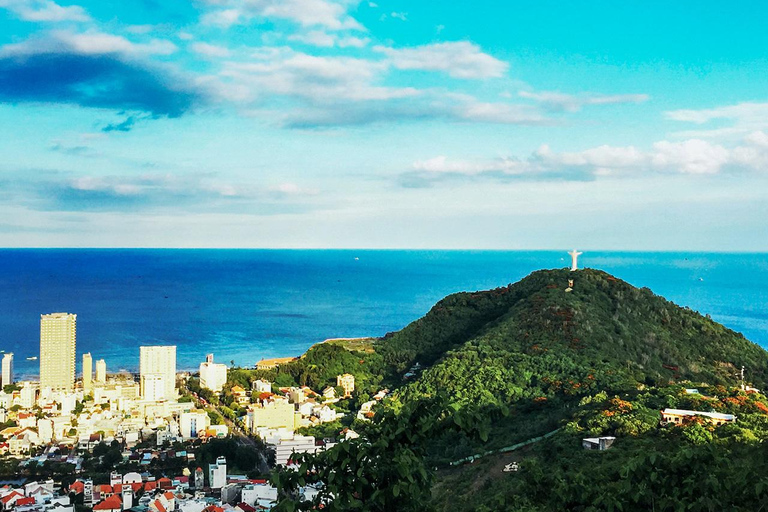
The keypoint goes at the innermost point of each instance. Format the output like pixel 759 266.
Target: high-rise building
pixel 7 369
pixel 101 371
pixel 57 351
pixel 217 474
pixel 156 362
pixel 87 372
pixel 213 376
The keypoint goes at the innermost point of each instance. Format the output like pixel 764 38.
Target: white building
pixel 286 446
pixel 58 332
pixel 158 361
pixel 27 396
pixel 87 372
pixel 213 376
pixel 192 423
pixel 255 495
pixel 262 386
pixel 7 369
pixel 153 387
pixel 217 474
pixel 101 371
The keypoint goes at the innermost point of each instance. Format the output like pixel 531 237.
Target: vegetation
pixel 500 367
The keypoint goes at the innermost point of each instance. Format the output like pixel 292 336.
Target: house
pixel 329 393
pixel 8 501
pixel 681 416
pixel 111 504
pixel 598 443
pixel 346 382
pixel 240 395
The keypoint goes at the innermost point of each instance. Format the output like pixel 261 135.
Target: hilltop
pixel 520 374
pixel 602 320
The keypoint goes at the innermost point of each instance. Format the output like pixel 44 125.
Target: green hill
pixel 498 369
pixel 602 321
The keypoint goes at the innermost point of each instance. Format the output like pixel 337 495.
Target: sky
pixel 637 125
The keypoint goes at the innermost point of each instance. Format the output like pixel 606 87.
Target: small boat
pixel 33 358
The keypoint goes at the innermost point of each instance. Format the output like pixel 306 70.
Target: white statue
pixel 575 259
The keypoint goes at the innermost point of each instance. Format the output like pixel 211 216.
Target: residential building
pixel 7 377
pixel 213 376
pixel 286 446
pixel 217 473
pixel 101 371
pixel 87 372
pixel 273 414
pixel 262 386
pixel 259 495
pixel 347 382
pixel 193 423
pixel 158 361
pixel 680 416
pixel 58 333
pixel 240 395
pixel 27 396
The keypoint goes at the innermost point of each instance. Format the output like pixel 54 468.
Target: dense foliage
pixel 532 357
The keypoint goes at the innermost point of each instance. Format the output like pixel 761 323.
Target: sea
pixel 247 305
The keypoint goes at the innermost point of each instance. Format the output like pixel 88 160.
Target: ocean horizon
pixel 244 305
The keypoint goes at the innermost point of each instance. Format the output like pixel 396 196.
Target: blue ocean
pixel 245 305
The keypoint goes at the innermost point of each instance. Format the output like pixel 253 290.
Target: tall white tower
pixel 101 371
pixel 7 369
pixel 58 332
pixel 87 372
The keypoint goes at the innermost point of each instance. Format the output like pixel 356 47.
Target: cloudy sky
pixel 384 124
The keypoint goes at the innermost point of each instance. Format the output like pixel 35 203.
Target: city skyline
pixel 337 123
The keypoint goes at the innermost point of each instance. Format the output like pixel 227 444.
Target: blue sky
pixel 384 124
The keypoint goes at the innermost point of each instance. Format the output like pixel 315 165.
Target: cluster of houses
pixel 141 492
pixel 114 411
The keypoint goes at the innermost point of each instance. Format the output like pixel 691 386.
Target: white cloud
pixel 210 50
pixel 441 164
pixel 329 14
pixel 498 113
pixel 691 157
pixel 44 11
pixel 323 39
pixel 88 43
pixel 224 18
pixel 744 118
pixel 459 59
pixel 315 38
pixel 318 79
pixel 557 101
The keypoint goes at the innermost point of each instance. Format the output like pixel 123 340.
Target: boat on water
pixel 33 358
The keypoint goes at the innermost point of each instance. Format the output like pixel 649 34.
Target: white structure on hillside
pixel 213 376
pixel 7 369
pixel 575 259
pixel 217 473
pixel 156 362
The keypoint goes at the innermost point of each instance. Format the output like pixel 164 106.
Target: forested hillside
pixel 575 353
